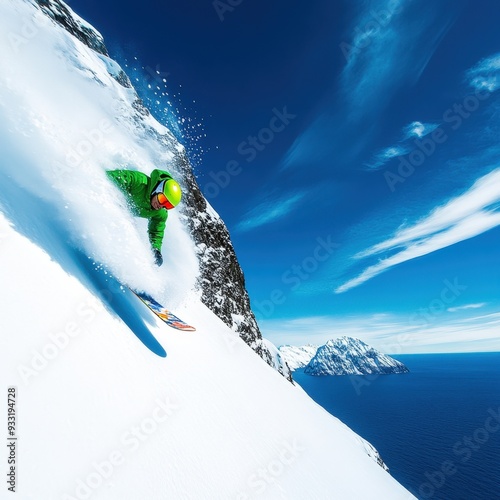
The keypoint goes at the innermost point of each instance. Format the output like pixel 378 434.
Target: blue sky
pixel 352 149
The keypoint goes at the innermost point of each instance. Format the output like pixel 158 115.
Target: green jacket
pixel 137 188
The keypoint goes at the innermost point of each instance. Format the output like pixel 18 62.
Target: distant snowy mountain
pixel 349 356
pixel 99 415
pixel 297 357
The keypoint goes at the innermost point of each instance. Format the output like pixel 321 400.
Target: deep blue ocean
pixel 437 428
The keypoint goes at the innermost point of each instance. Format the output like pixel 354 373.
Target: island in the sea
pixel 342 356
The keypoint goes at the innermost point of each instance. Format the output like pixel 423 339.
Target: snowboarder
pixel 150 197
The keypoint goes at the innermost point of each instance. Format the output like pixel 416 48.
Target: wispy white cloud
pixel 365 68
pixel 415 130
pixel 485 75
pixel 464 217
pixel 389 46
pixel 418 129
pixel 385 54
pixel 466 306
pixel 386 155
pixel 269 211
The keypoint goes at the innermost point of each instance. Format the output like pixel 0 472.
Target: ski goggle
pixel 162 200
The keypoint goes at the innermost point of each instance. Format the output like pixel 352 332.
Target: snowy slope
pixel 100 416
pixel 350 356
pixel 297 356
pixel 100 413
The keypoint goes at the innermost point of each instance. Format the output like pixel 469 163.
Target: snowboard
pixel 164 314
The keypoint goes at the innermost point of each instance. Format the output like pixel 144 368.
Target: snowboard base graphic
pixel 164 314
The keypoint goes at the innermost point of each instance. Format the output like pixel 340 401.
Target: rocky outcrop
pixel 221 282
pixel 61 14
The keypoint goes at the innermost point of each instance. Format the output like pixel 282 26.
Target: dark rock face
pixel 60 13
pixel 221 284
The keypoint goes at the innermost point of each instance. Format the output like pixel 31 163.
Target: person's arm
pixel 126 180
pixel 156 230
